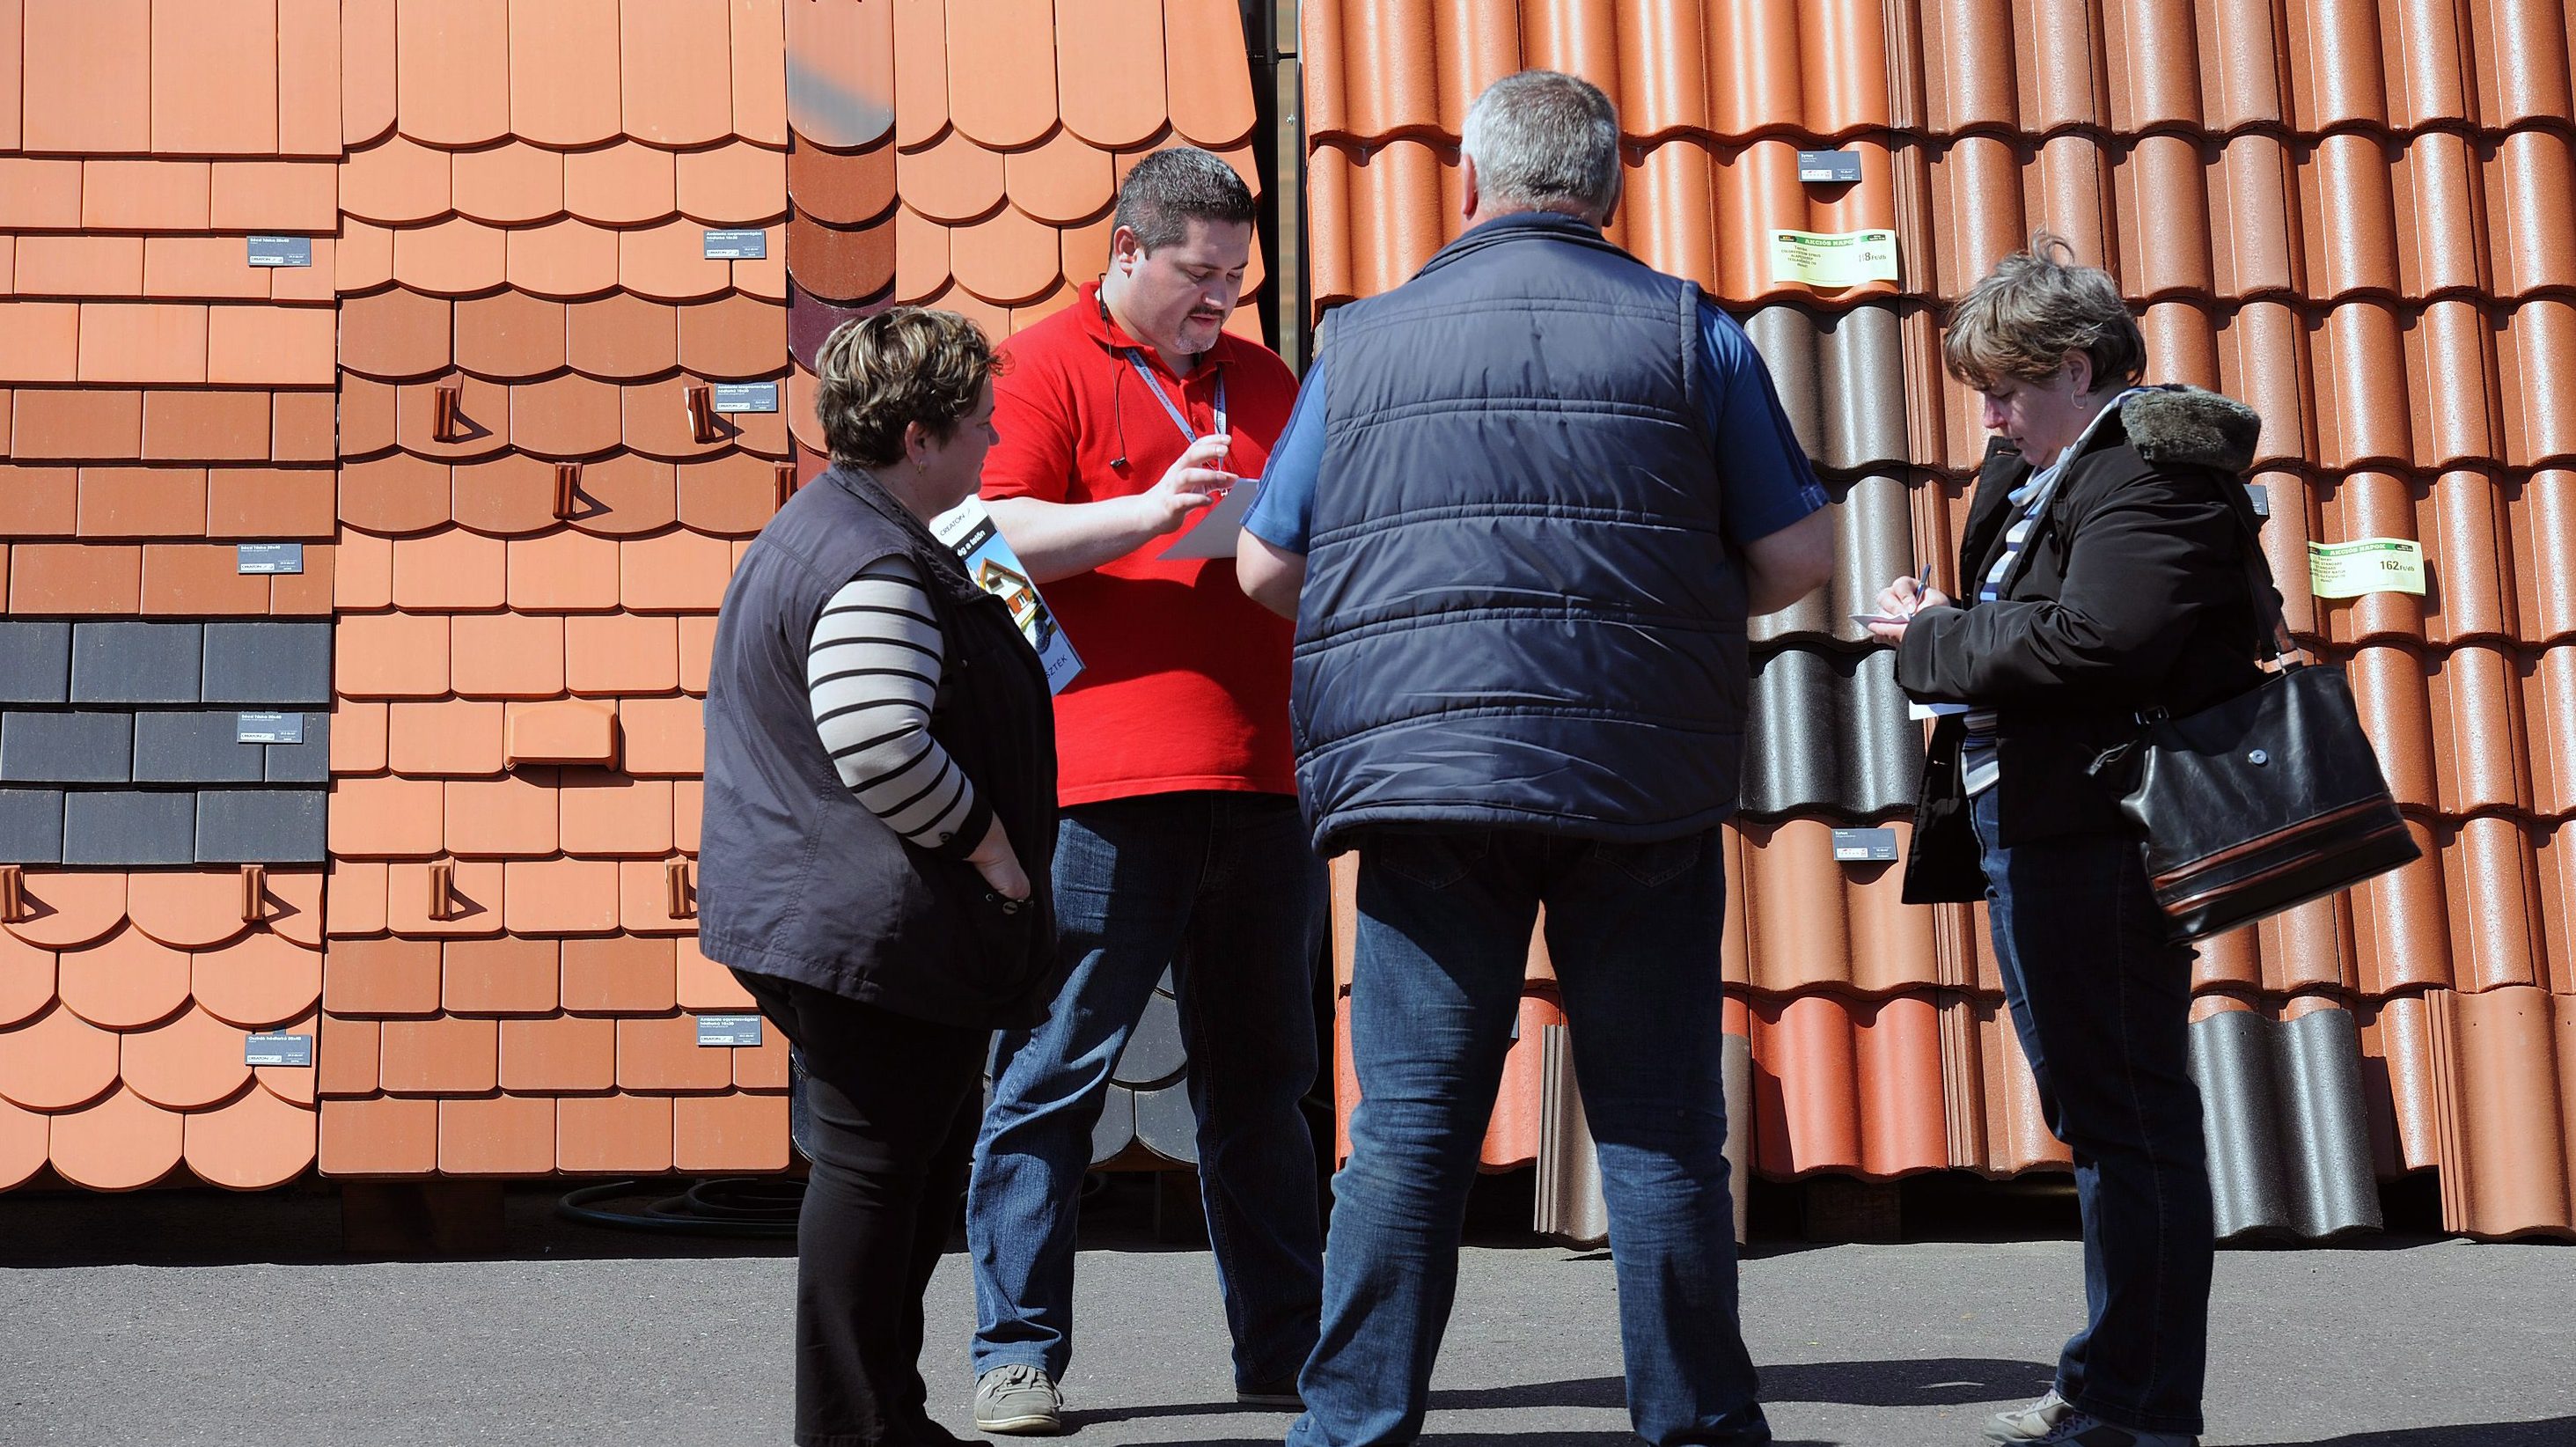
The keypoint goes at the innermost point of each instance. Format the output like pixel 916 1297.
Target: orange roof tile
pixel 622 336
pixel 24 1137
pixel 209 267
pixel 65 911
pixel 390 656
pixel 218 427
pixel 142 342
pixel 200 578
pixel 39 195
pixel 565 571
pixel 455 736
pixel 145 195
pixel 308 67
pixel 567 731
pixel 265 502
pixel 567 416
pixel 26 980
pixel 387 817
pixel 674 65
pixel 450 570
pixel 514 815
pixel 561 896
pixel 388 1136
pixel 75 578
pixel 738 1132
pixel 664 1055
pixel 250 1144
pixel 455 257
pixel 288 196
pixel 759 38
pixel 563 72
pixel 510 335
pixel 558 1053
pixel 1001 82
pixel 663 735
pixel 622 185
pixel 452 76
pixel 509 184
pixel 668 262
pixel 189 1063
pixel 271 346
pixel 739 184
pixel 142 502
pixel 87 80
pixel 734 495
pixel 256 982
pixel 38 502
pixel 501 977
pixel 356 898
pixel 610 814
pixel 56 1061
pixel 625 495
pixel 445 1055
pixel 39 342
pixel 620 654
pixel 645 898
pixel 121 1143
pixel 387 495
pixel 697 651
pixel 843 190
pixel 123 982
pixel 358 737
pixel 841 61
pixel 508 655
pixel 81 264
pixel 615 1133
pixel 622 975
pixel 678 571
pixel 187 910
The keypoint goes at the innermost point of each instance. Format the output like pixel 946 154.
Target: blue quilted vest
pixel 1520 607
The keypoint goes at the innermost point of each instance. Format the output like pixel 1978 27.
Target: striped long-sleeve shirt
pixel 871 673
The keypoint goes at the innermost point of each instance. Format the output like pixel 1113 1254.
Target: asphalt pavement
pixel 187 1318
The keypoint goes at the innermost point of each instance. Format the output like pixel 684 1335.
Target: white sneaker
pixel 2052 1421
pixel 1018 1401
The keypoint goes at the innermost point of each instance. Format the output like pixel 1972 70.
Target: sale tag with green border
pixel 2366 565
pixel 1840 259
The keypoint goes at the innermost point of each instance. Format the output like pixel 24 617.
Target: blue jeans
pixel 1444 928
pixel 1223 889
pixel 2102 1002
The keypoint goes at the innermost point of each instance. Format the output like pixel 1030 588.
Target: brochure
pixel 969 529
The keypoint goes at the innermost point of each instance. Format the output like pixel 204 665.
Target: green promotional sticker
pixel 2366 565
pixel 1842 259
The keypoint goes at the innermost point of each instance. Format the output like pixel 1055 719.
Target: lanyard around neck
pixel 1189 434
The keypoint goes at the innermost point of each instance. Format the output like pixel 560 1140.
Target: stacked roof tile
pixel 544 489
pixel 2353 217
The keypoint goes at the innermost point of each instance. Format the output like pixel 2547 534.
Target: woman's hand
pixel 1898 602
pixel 1192 483
pixel 999 863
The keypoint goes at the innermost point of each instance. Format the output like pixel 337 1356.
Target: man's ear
pixel 1124 248
pixel 1467 187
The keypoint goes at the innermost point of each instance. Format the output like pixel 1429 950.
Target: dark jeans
pixel 1222 888
pixel 892 1103
pixel 1444 929
pixel 2102 1003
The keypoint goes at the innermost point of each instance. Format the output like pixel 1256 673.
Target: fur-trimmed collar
pixel 2187 427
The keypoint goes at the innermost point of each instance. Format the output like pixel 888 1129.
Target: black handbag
pixel 2268 800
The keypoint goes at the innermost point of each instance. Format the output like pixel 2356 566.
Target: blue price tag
pixel 746 396
pixel 290 1050
pixel 268 728
pixel 281 251
pixel 270 558
pixel 737 245
pixel 1864 846
pixel 735 1030
pixel 1828 167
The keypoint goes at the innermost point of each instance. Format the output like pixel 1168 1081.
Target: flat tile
pixel 189 748
pixel 31 826
pixel 35 662
pixel 129 828
pixel 261 826
pixel 128 662
pixel 306 763
pixel 268 663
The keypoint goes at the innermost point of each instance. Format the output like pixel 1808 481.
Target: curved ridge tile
pixel 121 1143
pixel 188 1063
pixel 68 911
pixel 185 910
pixel 840 71
pixel 1001 70
pixel 256 982
pixel 250 1144
pixel 57 1061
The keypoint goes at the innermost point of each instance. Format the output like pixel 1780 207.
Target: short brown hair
pixel 1175 186
pixel 2034 308
pixel 903 365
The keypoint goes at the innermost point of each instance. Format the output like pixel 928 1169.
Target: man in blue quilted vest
pixel 1522 512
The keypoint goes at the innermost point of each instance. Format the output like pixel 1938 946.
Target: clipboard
pixel 1214 534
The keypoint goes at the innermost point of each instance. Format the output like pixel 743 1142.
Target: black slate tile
pixel 129 662
pixel 85 747
pixel 130 828
pixel 268 663
pixel 31 826
pixel 2285 1105
pixel 261 826
pixel 35 662
pixel 308 762
pixel 1827 731
pixel 193 748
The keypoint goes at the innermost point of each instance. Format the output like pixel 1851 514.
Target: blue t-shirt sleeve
pixel 1284 515
pixel 1768 483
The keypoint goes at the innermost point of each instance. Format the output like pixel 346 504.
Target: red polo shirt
pixel 1184 682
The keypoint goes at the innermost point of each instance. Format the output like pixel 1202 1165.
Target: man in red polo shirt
pixel 1121 419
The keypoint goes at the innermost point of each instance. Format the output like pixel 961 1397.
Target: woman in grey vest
pixel 879 813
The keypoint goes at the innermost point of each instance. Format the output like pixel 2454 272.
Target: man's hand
pixel 1900 601
pixel 1192 483
pixel 999 863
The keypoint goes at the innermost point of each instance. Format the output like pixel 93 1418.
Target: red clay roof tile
pixel 189 1063
pixel 480 426
pixel 250 1144
pixel 667 736
pixel 506 976
pixel 921 256
pixel 86 86
pixel 39 195
pixel 363 258
pixel 296 1085
pixel 617 654
pixel 563 72
pixel 508 655
pixel 706 986
pixel 188 910
pixel 842 265
pixel 120 1143
pixel 842 190
pixel 615 1133
pixel 68 911
pixel 142 502
pixel 446 1055
pixel 679 571
pixel 26 980
pixel 392 495
pixel 308 68
pixel 217 426
pixel 841 63
pixel 620 975
pixel 697 650
pixel 668 262
pixel 397 182
pixel 622 336
pixel 1001 74
pixel 124 981
pixel 39 342
pixel 566 731
pixel 455 257
pixel 75 578
pixel 390 656
pixel 142 342
pixel 76 424
pixel 564 417
pixel 387 1136
pixel 256 982
pixel 82 264
pixel 289 196
pixel 627 184
pixel 449 570
pixel 269 502
pixel 38 502
pixel 200 579
pixel 664 1055
pixel 1096 39
pixel 150 195
pixel 733 495
pixel 450 737
pixel 738 184
pixel 57 1061
pixel 25 1136
pixel 358 737
pixel 505 495
pixel 624 495
pixel 510 335
pixel 561 896
pixel 356 898
pixel 738 1132
pixel 565 571
pixel 735 336
pixel 386 817
pixel 514 815
pixel 608 814
pixel 675 69
pixel 759 39
pixel 1064 181
pixel 558 1053
pixel 509 185
pixel 271 346
pixel 1205 71
pixel 453 76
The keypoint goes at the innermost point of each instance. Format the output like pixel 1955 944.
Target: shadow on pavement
pixel 1929 1382
pixel 2553 1432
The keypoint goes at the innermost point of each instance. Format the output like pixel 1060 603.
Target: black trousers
pixel 894 1104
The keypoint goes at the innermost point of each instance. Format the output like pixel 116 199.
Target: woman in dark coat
pixel 880 810
pixel 2104 567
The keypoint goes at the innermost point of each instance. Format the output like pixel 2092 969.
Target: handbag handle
pixel 2264 589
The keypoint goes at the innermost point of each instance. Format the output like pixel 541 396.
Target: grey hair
pixel 1545 141
pixel 1174 186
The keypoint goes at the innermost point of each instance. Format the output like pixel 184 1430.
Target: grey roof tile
pixel 2288 1124
pixel 268 663
pixel 308 762
pixel 1873 543
pixel 31 826
pixel 193 748
pixel 1167 1124
pixel 35 662
pixel 1828 733
pixel 1154 1053
pixel 131 662
pixel 261 826
pixel 129 827
pixel 83 747
pixel 1841 379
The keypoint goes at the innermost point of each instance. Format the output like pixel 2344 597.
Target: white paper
pixel 1918 712
pixel 969 529
pixel 1214 534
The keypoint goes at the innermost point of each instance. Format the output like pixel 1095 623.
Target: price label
pixel 1828 167
pixel 281 251
pixel 1828 260
pixel 1864 846
pixel 2366 565
pixel 268 728
pixel 744 245
pixel 746 396
pixel 729 1030
pixel 269 558
pixel 291 1050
